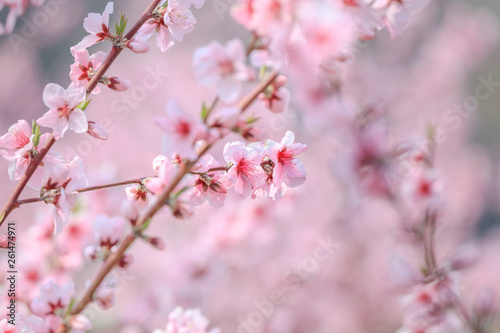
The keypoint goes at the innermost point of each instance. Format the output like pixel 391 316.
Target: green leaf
pixel 2 217
pixel 120 26
pixel 35 129
pixel 252 119
pixel 204 112
pixel 83 105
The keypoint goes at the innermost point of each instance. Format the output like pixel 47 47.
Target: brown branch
pixel 115 257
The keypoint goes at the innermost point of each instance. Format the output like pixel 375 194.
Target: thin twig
pixel 87 189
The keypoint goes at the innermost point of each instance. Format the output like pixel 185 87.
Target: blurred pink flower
pixel 5 327
pixel 63 114
pixel 52 298
pixel 187 321
pixel 97 26
pixel 108 230
pixel 182 130
pixel 222 66
pixel 398 13
pixel 277 98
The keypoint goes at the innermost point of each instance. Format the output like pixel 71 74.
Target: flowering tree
pixel 232 163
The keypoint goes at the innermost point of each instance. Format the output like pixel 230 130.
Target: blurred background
pixel 229 262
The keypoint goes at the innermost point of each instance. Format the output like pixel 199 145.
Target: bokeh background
pixel 228 262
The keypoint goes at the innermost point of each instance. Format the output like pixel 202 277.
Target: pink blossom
pixel 398 13
pixel 97 26
pixel 5 327
pixel 166 173
pixel 17 142
pixel 108 230
pixel 263 15
pixel 157 162
pixel 210 186
pixel 245 172
pixel 63 114
pixel 18 166
pixel 222 66
pixel 287 167
pixel 52 298
pixel 424 188
pixel 47 324
pixel 188 321
pixel 324 30
pixel 182 130
pixel 170 23
pixel 277 97
pixel 85 67
pixel 59 189
pixel 137 192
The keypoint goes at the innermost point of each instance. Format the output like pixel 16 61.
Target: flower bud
pixel 138 45
pixel 156 242
pixel 118 84
pixel 126 260
pixel 91 252
pixel 97 131
pixel 4 241
pixel 130 211
pixel 463 259
pixel 80 323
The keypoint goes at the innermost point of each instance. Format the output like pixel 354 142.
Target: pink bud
pixel 138 45
pixel 463 259
pixel 80 323
pixel 130 211
pixel 4 241
pixel 91 252
pixel 181 210
pixel 126 260
pixel 157 243
pixel 97 131
pixel 118 84
pixel 105 298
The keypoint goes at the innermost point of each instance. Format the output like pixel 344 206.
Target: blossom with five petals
pixel 63 114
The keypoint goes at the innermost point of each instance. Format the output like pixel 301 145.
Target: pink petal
pixel 53 96
pixel 78 121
